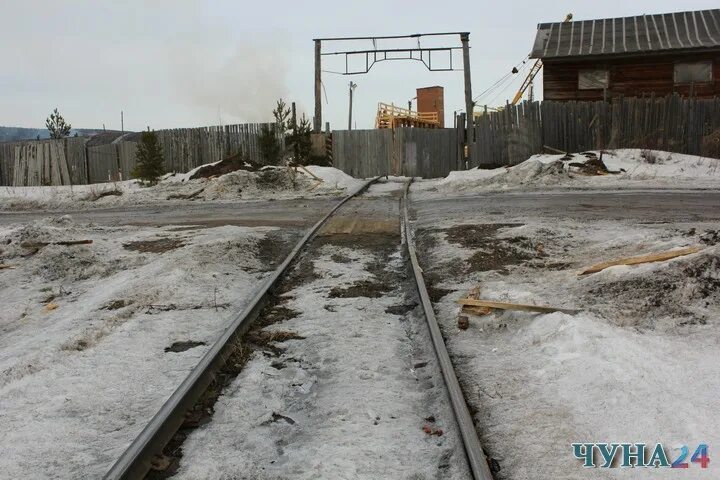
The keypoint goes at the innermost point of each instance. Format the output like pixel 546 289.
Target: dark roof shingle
pixel 620 36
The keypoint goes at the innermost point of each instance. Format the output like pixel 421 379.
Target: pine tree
pixel 282 116
pixel 56 125
pixel 300 141
pixel 149 167
pixel 269 145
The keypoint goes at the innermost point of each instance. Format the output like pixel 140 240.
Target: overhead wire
pixel 515 70
pixel 503 81
pixel 511 82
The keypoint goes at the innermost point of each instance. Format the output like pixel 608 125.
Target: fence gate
pixel 417 152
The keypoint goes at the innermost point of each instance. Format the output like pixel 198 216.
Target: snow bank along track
pixel 146 450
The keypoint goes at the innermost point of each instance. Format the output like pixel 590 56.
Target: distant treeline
pixel 12 134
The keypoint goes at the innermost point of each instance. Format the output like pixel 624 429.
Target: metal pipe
pixel 414 35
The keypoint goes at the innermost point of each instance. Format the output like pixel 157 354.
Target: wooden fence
pixel 43 162
pixel 419 152
pixel 508 137
pixel 673 123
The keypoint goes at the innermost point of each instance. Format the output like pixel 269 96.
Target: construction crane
pixel 533 71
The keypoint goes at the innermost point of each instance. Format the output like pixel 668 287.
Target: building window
pixel 696 72
pixel 593 79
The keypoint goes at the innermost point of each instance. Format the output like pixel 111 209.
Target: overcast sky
pixel 184 63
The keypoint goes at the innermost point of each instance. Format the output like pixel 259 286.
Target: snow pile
pixel 630 168
pixel 334 178
pixel 184 177
pixel 573 378
pixel 532 172
pixel 653 164
pixel 267 182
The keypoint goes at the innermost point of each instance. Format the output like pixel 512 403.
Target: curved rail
pixel 135 462
pixel 473 450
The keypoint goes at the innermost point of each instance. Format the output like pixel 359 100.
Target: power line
pixel 512 81
pixel 513 71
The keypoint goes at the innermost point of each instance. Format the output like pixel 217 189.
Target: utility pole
pixel 318 89
pixel 296 147
pixel 469 118
pixel 122 122
pixel 352 88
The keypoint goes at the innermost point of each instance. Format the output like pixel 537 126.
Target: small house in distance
pixel 656 54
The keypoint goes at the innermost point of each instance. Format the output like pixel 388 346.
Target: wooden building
pixel 632 56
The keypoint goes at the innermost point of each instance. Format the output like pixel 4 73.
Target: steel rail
pixel 475 455
pixel 135 462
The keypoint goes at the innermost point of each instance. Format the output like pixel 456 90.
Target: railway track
pixel 142 454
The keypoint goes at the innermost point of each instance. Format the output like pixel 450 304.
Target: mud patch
pixel 401 309
pixel 359 226
pixel 160 245
pixel 183 346
pixel 497 257
pixel 303 272
pixel 275 417
pixel 361 288
pixel 230 164
pixel 492 253
pixel 77 345
pixel 274 247
pixel 117 304
pixel 436 293
pixel 686 294
pixel 710 237
pixel 339 258
pixel 379 243
pixel 167 465
pixel 475 236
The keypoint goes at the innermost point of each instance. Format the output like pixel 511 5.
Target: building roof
pixel 667 32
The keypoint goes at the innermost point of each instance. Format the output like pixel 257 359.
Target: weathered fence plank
pixel 401 151
pixel 673 123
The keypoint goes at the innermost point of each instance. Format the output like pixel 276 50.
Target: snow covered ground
pixel 349 393
pixel 636 169
pixel 268 183
pixel 639 363
pixel 94 337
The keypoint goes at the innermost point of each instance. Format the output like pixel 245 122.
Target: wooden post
pixel 469 119
pixel 318 90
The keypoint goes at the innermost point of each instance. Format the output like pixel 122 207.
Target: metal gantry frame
pixel 377 55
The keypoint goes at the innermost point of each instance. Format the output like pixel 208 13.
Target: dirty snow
pixel 637 364
pixel 334 178
pixel 264 184
pixel 83 331
pixel 642 169
pixel 349 400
